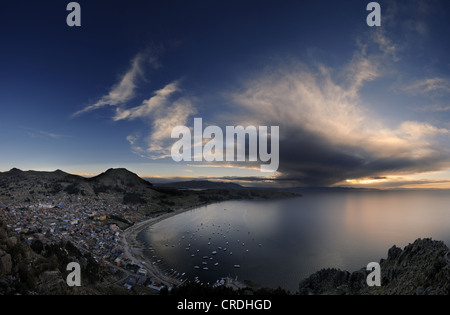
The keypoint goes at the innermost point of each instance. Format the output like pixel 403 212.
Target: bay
pixel 277 243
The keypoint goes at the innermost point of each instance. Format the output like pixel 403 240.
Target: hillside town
pixel 93 226
pixel 102 216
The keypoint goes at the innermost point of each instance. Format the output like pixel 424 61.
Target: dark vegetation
pixel 38 268
pixel 133 198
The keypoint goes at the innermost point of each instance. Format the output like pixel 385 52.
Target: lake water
pixel 280 242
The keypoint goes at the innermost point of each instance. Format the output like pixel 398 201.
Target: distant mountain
pixel 303 190
pixel 121 179
pixel 17 175
pixel 201 184
pixel 119 184
pixel 119 176
pixel 206 184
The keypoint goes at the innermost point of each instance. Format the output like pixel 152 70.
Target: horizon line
pixel 235 179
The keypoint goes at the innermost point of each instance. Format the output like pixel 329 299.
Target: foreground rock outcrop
pixel 421 268
pixel 41 269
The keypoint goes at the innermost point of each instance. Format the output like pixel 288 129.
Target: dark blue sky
pixel 353 103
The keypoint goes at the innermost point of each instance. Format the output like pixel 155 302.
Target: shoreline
pixel 135 253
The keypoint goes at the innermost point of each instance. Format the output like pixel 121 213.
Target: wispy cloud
pixel 431 87
pixel 147 108
pixel 434 108
pixel 50 134
pixel 163 111
pixel 329 134
pixel 36 133
pixel 385 44
pixel 123 91
pixel 328 131
pixel 160 141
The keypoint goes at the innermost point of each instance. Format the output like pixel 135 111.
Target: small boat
pixel 237 266
pixel 205 268
pixel 214 252
pixel 196 267
pixel 216 264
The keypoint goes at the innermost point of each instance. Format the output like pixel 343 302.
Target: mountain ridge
pixel 115 186
pixel 201 184
pixel 119 185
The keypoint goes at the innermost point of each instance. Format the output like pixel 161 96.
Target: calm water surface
pixel 280 242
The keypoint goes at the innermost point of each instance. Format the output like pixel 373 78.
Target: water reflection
pixel 278 243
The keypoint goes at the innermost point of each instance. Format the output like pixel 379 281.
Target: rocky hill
pixel 41 269
pixel 121 181
pixel 421 268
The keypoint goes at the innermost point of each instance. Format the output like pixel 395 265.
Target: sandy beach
pixel 135 253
